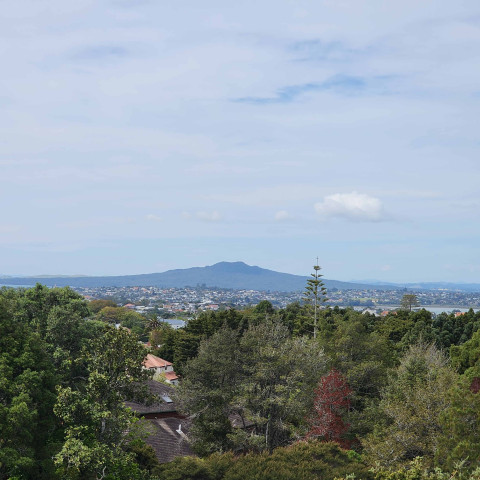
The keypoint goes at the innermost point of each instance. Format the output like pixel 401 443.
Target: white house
pixel 161 367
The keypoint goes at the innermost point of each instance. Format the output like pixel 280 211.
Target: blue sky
pixel 140 136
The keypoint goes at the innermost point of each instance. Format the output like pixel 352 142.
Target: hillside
pixel 235 275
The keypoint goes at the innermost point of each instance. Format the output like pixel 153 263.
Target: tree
pixel 264 308
pixel 163 342
pixel 276 391
pixel 460 439
pixel 63 382
pixel 364 358
pixel 409 302
pixel 35 304
pixel 315 294
pixel 39 329
pixel 410 408
pixel 205 324
pixel 265 379
pixel 64 329
pixel 304 460
pixel 418 470
pixel 96 305
pixel 421 329
pixel 289 315
pixel 27 395
pixel 332 401
pixel 394 326
pixel 466 357
pixel 185 347
pixel 154 323
pixel 98 427
pixel 450 329
pixel 208 390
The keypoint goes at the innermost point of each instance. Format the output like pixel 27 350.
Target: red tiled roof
pixel 171 376
pixel 152 361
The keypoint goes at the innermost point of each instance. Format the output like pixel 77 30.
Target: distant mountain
pixel 235 275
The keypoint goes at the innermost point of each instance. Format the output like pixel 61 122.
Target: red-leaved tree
pixel 332 400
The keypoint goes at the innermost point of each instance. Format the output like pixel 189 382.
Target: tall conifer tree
pixel 315 294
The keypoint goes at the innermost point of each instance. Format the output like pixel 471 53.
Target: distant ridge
pixel 450 286
pixel 235 275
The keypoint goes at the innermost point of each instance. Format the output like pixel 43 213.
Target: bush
pixel 310 460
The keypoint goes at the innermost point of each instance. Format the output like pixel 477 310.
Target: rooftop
pixel 163 400
pixel 152 361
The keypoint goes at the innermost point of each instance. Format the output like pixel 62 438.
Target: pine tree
pixel 410 407
pixel 315 294
pixel 409 302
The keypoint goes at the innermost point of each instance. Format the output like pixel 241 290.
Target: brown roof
pixel 152 361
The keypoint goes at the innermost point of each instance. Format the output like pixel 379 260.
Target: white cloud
pixel 209 216
pixel 353 206
pixel 153 218
pixel 282 216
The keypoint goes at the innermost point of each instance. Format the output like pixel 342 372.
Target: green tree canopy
pixel 409 302
pixel 63 381
pixel 460 422
pixel 411 406
pixel 97 423
pixel 264 378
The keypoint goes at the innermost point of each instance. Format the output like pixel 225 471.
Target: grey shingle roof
pixel 167 432
pixel 159 390
pixel 167 439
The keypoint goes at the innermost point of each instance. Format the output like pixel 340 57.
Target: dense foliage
pixel 301 461
pixel 264 396
pixel 395 395
pixel 263 379
pixel 64 377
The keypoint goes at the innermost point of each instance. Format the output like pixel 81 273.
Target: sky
pixel 141 136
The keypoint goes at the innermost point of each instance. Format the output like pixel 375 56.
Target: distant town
pixel 190 300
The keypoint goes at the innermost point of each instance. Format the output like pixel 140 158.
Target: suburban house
pixel 167 428
pixel 161 367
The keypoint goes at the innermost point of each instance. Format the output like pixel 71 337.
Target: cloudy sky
pixel 138 136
